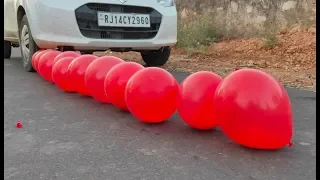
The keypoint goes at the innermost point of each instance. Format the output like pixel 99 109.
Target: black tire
pixel 27 63
pixel 7 49
pixel 156 58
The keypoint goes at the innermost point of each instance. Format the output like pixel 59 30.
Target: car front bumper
pixel 56 23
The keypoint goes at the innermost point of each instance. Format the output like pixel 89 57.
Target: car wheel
pixel 7 49
pixel 27 46
pixel 156 58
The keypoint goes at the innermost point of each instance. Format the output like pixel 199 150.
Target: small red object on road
pixel 291 144
pixel 19 125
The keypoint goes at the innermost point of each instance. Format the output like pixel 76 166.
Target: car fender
pixel 30 8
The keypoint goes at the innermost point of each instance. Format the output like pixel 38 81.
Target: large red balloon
pixel 77 70
pixel 254 110
pixel 37 58
pixel 95 75
pixel 45 64
pixel 195 100
pixel 151 95
pixel 116 81
pixel 66 54
pixel 61 76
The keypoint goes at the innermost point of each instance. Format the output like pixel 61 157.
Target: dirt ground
pixel 292 60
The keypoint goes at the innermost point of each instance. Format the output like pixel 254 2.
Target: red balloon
pixel 151 95
pixel 95 75
pixel 195 100
pixel 254 110
pixel 66 54
pixel 33 58
pixel 77 69
pixel 37 57
pixel 116 81
pixel 61 76
pixel 45 64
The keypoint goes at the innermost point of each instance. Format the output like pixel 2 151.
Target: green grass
pixel 271 39
pixel 196 33
pixel 199 32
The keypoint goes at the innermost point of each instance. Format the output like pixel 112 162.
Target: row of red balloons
pixel 251 107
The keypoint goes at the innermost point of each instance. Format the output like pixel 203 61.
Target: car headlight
pixel 166 3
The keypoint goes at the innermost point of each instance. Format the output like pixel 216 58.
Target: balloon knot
pixel 236 69
pixel 291 144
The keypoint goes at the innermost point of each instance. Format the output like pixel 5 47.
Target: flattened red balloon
pixel 254 110
pixel 95 75
pixel 66 54
pixel 77 70
pixel 195 100
pixel 116 81
pixel 151 95
pixel 60 74
pixel 45 64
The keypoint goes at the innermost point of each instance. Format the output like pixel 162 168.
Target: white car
pixel 145 26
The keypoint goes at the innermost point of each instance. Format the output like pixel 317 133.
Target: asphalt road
pixel 69 137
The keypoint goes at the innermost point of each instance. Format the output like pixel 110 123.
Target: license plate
pixel 123 20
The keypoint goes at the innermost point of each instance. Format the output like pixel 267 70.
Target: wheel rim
pixel 25 44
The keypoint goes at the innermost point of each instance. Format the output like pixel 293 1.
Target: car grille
pixel 87 20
